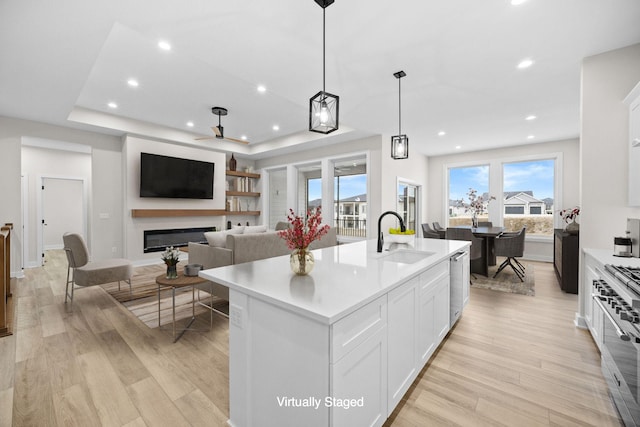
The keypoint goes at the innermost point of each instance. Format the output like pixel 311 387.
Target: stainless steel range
pixel 617 293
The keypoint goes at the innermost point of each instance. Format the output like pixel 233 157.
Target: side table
pixel 180 283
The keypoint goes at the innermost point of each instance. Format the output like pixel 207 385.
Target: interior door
pixel 62 210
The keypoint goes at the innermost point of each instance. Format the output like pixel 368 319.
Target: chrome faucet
pixel 380 237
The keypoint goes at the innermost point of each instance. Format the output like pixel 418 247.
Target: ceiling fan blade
pixel 240 141
pixel 205 138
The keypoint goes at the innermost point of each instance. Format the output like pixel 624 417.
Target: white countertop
pixel 344 278
pixel 605 256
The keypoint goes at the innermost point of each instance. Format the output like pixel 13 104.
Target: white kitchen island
pixel 340 346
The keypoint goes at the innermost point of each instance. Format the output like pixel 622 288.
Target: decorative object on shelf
pixel 323 106
pixel 299 236
pixel 171 257
pixel 477 205
pixel 232 163
pixel 569 216
pixel 399 142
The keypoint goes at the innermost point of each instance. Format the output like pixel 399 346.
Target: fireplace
pixel 159 240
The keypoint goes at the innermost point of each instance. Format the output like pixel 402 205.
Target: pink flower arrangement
pixel 476 203
pixel 303 231
pixel 570 214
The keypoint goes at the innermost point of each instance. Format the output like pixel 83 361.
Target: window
pixel 529 196
pixel 350 197
pixel 408 204
pixel 461 180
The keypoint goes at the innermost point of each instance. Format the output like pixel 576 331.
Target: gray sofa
pixel 241 248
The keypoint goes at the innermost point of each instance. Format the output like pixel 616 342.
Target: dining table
pixel 488 258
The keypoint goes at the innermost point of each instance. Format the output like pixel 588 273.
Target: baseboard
pixel 580 322
pixel 540 258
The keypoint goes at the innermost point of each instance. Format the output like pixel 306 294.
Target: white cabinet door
pixel 633 100
pixel 433 310
pixel 361 377
pixel 402 333
pixel 593 313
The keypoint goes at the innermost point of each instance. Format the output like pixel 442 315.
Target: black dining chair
pixel 485 224
pixel 429 233
pixel 511 246
pixel 439 229
pixel 475 252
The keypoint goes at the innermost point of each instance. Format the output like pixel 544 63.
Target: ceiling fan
pixel 219 130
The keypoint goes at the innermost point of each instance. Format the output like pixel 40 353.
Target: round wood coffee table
pixel 180 282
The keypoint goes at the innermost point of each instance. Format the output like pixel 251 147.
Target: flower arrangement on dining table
pixel 171 257
pixel 301 232
pixel 477 204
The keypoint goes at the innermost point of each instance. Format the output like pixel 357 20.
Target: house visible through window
pixel 350 197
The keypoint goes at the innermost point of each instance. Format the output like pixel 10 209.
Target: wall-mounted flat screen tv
pixel 171 177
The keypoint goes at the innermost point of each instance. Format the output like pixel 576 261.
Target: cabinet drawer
pixel 353 330
pixel 432 275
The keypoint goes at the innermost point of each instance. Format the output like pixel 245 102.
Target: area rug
pixel 142 301
pixel 507 280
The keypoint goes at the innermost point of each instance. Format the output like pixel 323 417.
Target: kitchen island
pixel 340 346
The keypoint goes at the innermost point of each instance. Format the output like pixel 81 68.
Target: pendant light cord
pixel 399 107
pixel 324 11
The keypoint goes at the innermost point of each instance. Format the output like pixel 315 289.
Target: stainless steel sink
pixel 404 256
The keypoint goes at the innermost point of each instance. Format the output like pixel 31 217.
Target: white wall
pixel 537 249
pixel 606 80
pixel 10 207
pixel 135 226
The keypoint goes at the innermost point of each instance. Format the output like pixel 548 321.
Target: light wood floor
pixel 511 360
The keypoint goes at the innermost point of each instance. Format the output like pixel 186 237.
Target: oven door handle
pixel 621 334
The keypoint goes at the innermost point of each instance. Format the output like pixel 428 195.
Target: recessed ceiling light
pixel 525 63
pixel 243 137
pixel 112 105
pixel 442 133
pixel 531 117
pixel 276 127
pixel 517 2
pixel 530 136
pixel 458 147
pixel 164 45
pixel 261 89
pixel 133 83
pixel 190 124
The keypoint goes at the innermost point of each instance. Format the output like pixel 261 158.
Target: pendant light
pixel 399 142
pixel 323 106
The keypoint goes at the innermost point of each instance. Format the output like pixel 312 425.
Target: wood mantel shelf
pixel 160 213
pixel 242 174
pixel 243 193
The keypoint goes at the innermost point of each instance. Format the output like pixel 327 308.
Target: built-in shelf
pixel 243 193
pixel 161 213
pixel 243 174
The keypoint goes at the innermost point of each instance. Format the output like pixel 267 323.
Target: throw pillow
pixel 216 239
pixel 255 229
pixel 236 229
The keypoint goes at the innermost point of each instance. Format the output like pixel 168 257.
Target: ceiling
pixel 63 62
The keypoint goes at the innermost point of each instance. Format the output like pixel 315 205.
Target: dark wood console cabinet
pixel 565 260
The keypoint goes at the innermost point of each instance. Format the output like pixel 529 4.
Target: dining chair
pixel 82 272
pixel 429 233
pixel 511 246
pixel 455 233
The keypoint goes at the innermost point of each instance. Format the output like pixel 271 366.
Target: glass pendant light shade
pixel 400 147
pixel 323 112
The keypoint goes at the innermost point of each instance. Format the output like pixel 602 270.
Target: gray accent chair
pixel 281 225
pixel 511 246
pixel 429 233
pixel 82 272
pixel 455 233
